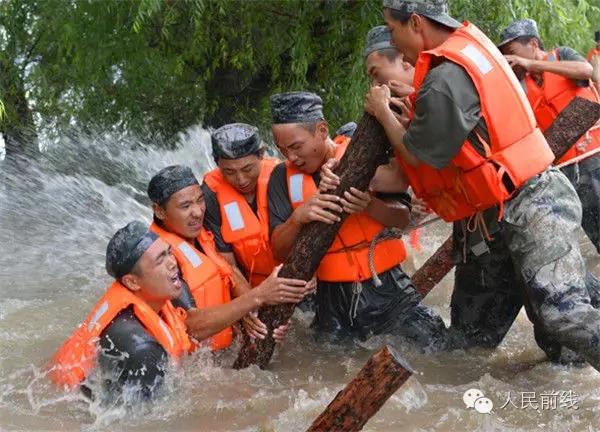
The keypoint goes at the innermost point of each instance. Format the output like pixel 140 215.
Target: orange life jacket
pixel 517 149
pixel 247 232
pixel 593 52
pixel 348 257
pixel 207 274
pixel 341 139
pixel 552 97
pixel 414 236
pixel 76 358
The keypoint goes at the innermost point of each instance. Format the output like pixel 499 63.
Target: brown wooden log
pixel 355 404
pixel 357 167
pixel 434 269
pixel 571 124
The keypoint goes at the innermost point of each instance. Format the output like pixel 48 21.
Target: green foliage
pixel 562 22
pixel 155 67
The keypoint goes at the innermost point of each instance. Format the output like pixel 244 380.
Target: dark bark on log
pixel 435 268
pixel 570 125
pixel 352 407
pixel 356 169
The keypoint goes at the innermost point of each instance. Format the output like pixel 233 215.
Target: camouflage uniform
pixel 551 265
pixel 534 257
pixel 585 177
pixel 489 291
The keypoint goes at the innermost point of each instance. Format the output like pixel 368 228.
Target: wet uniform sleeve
pixel 569 54
pixel 130 357
pixel 447 110
pixel 212 219
pixel 280 208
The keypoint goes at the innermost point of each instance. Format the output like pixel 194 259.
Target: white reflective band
pixel 524 86
pixel 296 192
pixel 101 311
pixel 190 254
pixel 167 332
pixel 234 216
pixel 477 58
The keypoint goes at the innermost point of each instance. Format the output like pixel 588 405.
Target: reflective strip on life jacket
pixel 76 358
pixel 553 96
pixel 347 260
pixel 247 232
pixel 207 274
pixel 517 150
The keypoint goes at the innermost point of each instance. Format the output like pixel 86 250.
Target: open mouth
pixel 196 225
pixel 176 280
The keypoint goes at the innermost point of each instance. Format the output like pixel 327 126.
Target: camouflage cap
pixel 436 10
pixel 168 181
pixel 234 141
pixel 126 247
pixel 346 130
pixel 296 107
pixel 524 27
pixel 378 39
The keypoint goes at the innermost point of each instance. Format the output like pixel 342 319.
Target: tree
pixel 156 67
pixel 16 46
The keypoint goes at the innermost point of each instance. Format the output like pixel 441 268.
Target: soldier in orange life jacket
pixel 551 80
pixel 236 204
pixel 454 145
pixel 491 270
pixel 348 303
pixel 135 330
pixel 236 200
pixel 179 208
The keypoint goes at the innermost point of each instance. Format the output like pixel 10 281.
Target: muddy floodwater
pixel 56 217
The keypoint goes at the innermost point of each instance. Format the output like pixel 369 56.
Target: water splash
pixel 56 216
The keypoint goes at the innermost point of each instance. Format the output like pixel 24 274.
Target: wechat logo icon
pixel 474 398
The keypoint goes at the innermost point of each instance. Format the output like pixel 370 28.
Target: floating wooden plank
pixel 377 381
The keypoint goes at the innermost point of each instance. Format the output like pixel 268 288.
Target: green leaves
pixel 561 22
pixel 157 67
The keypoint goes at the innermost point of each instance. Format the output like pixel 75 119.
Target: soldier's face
pixel 522 50
pixel 157 279
pixel 408 37
pixel 381 70
pixel 242 173
pixel 183 214
pixel 304 148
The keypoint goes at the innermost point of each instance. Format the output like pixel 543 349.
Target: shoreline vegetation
pixel 154 68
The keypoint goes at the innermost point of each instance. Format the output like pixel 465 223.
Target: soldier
pixel 465 95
